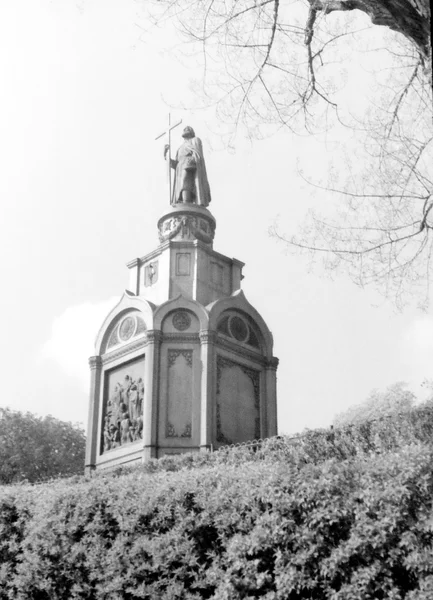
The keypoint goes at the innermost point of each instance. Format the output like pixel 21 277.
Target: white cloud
pixel 73 337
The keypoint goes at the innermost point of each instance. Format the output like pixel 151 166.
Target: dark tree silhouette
pixel 38 448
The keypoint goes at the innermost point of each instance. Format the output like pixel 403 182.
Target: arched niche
pixel 128 321
pixel 125 329
pixel 181 315
pixel 260 338
pixel 239 327
pixel 180 321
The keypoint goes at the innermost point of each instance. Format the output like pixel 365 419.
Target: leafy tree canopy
pixel 36 448
pixel 394 400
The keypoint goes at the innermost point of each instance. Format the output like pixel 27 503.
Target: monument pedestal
pixel 184 362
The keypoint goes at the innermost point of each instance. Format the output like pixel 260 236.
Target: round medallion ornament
pixel 181 320
pixel 126 329
pixel 238 328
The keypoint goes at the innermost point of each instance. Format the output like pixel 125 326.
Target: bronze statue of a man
pixel 190 180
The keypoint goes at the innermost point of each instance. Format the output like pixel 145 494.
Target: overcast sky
pixel 83 183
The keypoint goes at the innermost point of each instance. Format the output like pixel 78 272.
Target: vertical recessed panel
pixel 238 402
pixel 178 423
pixel 183 263
pixel 217 273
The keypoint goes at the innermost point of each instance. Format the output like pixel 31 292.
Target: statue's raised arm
pixel 191 184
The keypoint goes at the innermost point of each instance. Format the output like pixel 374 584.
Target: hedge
pixel 253 525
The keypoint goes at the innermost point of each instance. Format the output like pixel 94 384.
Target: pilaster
pixel 150 408
pixel 271 396
pixel 207 354
pixel 95 364
pixel 134 276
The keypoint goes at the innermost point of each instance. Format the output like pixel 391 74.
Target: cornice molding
pixel 241 350
pixel 154 336
pixel 95 362
pixel 181 337
pixel 135 262
pixel 272 363
pixel 124 350
pixel 208 336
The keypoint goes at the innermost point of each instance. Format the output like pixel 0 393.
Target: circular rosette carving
pixel 126 329
pixel 181 320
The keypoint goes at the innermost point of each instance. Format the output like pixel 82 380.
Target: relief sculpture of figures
pixel 123 421
pixel 191 184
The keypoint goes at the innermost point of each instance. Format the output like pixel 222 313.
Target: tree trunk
pixel 409 17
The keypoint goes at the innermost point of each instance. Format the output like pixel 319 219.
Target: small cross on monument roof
pixel 167 133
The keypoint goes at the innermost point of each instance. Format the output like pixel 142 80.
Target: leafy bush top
pixel 325 518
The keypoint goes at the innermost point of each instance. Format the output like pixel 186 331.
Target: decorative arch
pixel 237 303
pixel 180 303
pixel 127 304
pixel 240 327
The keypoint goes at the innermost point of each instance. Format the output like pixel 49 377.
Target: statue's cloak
pixel 193 180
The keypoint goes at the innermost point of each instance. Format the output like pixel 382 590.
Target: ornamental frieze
pixel 187 228
pixel 190 338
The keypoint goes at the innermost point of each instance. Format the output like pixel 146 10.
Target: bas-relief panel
pixel 238 402
pixel 123 405
pixel 178 422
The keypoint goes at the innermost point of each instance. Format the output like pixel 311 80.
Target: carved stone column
pixel 95 363
pixel 271 395
pixel 151 383
pixel 207 353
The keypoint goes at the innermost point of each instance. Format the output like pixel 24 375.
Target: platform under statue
pixel 184 362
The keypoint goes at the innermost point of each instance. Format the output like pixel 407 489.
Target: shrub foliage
pixel 344 514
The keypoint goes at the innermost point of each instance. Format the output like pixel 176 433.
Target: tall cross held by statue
pixel 168 158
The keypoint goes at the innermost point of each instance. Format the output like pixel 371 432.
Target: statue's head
pixel 188 132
